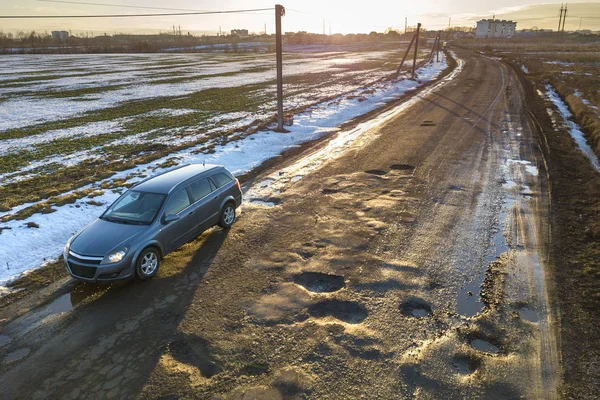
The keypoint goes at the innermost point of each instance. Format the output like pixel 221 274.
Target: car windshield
pixel 139 208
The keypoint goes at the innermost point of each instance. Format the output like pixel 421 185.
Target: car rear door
pixel 206 203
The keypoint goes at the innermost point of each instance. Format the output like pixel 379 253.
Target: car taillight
pixel 237 183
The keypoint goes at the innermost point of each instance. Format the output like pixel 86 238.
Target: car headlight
pixel 115 256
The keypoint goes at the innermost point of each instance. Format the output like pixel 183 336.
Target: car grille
pixel 73 256
pixel 82 270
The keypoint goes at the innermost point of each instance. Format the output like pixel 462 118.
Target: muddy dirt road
pixel 405 260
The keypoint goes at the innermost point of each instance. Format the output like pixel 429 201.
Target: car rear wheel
pixel 147 264
pixel 227 216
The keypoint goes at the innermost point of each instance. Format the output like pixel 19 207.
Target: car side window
pixel 201 189
pixel 177 202
pixel 221 179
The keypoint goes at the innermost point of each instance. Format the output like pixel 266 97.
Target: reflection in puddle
pixel 469 298
pixel 61 305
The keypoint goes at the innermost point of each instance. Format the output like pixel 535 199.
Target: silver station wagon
pixel 152 219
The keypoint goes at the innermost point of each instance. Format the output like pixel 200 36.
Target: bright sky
pixel 307 15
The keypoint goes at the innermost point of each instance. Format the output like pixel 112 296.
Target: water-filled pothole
pixel 464 364
pixel 415 307
pixel 528 314
pixel 402 167
pixel 320 283
pixel 485 346
pixel 346 311
pixel 376 172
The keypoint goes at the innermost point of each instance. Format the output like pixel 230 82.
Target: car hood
pixel 101 236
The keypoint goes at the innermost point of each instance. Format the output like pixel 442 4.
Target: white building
pixel 495 28
pixel 60 36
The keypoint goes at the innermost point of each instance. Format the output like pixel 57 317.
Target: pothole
pixel 376 172
pixel 255 369
pixel 464 364
pixel 484 346
pixel 320 283
pixel 194 351
pixel 346 311
pixel 402 167
pixel 528 314
pixel 416 308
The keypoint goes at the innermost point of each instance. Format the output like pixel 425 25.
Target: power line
pixel 118 5
pixel 133 15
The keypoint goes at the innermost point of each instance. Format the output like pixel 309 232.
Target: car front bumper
pixel 89 269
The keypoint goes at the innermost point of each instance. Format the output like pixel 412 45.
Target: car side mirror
pixel 171 218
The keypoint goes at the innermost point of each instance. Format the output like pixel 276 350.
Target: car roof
pixel 166 182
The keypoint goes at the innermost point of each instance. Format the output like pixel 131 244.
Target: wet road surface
pixel 407 262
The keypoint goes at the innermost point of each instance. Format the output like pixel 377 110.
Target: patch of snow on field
pixel 92 129
pixel 525 69
pixel 26 248
pixel 574 129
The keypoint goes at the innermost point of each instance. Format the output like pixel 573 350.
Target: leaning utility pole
pixel 560 19
pixel 416 49
pixel 438 45
pixel 279 12
pixel 405 55
pixel 564 18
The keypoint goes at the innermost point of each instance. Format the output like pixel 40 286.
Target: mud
pixel 346 289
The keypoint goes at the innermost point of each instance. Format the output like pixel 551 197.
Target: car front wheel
pixel 227 216
pixel 147 264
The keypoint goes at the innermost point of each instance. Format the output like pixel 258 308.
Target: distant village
pixel 242 40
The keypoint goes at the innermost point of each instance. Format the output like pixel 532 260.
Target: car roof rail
pixel 157 175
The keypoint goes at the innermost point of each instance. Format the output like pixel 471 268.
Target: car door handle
pixel 216 198
pixel 191 212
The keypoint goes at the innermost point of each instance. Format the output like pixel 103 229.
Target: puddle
pixel 402 167
pixel 16 355
pixel 320 283
pixel 485 346
pixel 60 305
pixel 469 298
pixel 4 340
pixel 528 314
pixel 376 172
pixel 261 203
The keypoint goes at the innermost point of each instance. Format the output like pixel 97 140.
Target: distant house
pixel 495 28
pixel 243 33
pixel 60 36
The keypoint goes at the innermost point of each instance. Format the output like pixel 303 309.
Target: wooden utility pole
pixel 560 19
pixel 564 18
pixel 438 45
pixel 279 12
pixel 405 55
pixel 416 49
